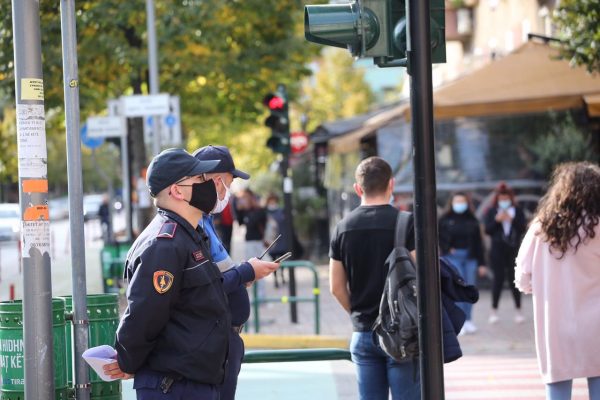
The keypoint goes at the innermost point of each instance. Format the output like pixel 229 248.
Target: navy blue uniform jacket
pixel 454 289
pixel 177 320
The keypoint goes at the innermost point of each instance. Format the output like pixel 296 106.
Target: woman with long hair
pixel 559 263
pixel 461 244
pixel 505 224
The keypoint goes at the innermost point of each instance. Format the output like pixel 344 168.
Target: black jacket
pixel 461 231
pixel 500 241
pixel 177 320
pixel 454 289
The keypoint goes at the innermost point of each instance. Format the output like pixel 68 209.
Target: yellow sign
pixel 32 89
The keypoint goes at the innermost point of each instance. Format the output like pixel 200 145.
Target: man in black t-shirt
pixel 359 247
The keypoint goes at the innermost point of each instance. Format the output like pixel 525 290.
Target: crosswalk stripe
pixel 492 377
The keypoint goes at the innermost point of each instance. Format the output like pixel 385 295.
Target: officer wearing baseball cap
pixel 174 335
pixel 239 302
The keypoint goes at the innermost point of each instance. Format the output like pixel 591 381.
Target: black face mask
pixel 204 196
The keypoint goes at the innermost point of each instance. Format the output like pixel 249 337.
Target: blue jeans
pixel 378 374
pixel 562 390
pixel 467 268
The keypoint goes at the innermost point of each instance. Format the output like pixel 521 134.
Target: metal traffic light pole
pixel 287 208
pixel 33 198
pixel 425 209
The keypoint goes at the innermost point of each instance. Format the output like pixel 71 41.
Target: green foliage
pixel 337 91
pixel 220 57
pixel 578 25
pixel 564 142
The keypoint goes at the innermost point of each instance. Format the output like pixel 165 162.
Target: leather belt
pixel 237 329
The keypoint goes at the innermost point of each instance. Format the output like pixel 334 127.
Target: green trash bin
pixel 103 316
pixel 11 350
pixel 112 258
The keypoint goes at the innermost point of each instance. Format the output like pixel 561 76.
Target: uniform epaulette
pixel 167 230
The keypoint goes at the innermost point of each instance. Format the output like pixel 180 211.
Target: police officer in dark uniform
pixel 174 334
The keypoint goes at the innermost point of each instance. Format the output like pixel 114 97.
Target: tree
pixel 578 25
pixel 338 90
pixel 218 56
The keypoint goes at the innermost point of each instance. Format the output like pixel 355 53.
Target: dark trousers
pixel 502 261
pixel 235 357
pixel 147 385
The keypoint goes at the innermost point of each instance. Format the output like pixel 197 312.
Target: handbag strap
pixel 402 223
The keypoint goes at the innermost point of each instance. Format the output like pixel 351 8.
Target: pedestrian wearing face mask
pixel 174 335
pixel 239 302
pixel 461 243
pixel 505 224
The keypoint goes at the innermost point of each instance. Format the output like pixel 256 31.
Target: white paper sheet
pixel 99 356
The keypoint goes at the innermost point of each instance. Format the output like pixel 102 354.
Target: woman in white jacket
pixel 559 263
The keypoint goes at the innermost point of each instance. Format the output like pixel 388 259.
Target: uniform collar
pixel 181 222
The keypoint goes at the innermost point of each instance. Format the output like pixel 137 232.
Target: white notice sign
pixel 105 127
pixel 144 106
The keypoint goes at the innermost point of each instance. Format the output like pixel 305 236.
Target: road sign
pixel 105 127
pixel 170 125
pixel 91 142
pixel 298 142
pixel 145 105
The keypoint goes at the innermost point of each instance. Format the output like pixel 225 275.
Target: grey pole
pixel 33 198
pixel 153 71
pixel 428 271
pixel 126 184
pixel 71 87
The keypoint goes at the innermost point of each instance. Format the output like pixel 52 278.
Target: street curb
pixel 258 341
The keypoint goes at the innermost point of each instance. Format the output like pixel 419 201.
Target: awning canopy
pixel 530 79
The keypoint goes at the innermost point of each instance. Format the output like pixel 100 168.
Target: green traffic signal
pixel 341 25
pixel 372 28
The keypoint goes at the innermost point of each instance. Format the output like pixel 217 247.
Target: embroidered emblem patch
pixel 163 280
pixel 198 256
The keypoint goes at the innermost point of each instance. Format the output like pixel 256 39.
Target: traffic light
pixel 278 121
pixel 372 28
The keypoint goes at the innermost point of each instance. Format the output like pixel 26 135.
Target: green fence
pixel 11 350
pixel 103 317
pixel 256 301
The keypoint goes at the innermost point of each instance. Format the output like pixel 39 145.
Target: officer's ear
pixel 175 192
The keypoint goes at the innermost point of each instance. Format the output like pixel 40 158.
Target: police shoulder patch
pixel 167 230
pixel 162 280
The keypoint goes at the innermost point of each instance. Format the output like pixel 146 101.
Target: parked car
pixel 10 221
pixel 59 208
pixel 91 205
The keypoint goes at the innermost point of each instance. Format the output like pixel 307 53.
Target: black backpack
pixel 396 327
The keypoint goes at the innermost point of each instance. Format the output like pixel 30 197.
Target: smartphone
pixel 283 257
pixel 267 249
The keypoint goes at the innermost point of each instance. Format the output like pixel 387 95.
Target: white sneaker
pixel 493 319
pixel 519 319
pixel 462 332
pixel 469 327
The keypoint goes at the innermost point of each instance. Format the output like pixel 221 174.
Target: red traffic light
pixel 273 102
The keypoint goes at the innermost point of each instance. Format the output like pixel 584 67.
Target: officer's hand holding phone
pixel 262 268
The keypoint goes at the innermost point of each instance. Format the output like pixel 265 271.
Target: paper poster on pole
pixel 36 234
pixel 31 131
pixel 32 89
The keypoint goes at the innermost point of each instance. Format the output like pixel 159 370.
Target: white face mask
pixel 221 204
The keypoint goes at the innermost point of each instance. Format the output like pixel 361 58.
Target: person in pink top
pixel 559 263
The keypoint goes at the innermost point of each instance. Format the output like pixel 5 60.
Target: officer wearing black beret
pixel 174 333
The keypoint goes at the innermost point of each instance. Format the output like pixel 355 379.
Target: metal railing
pixel 256 301
pixel 295 355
